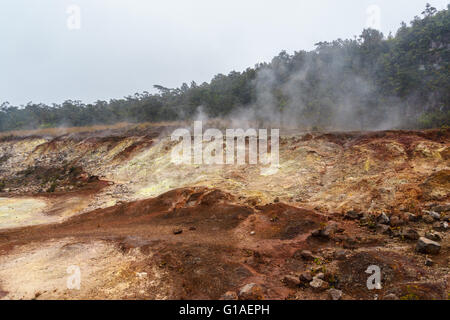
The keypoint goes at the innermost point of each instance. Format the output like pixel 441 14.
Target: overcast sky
pixel 119 47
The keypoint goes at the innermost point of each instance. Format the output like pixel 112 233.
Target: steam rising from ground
pixel 347 109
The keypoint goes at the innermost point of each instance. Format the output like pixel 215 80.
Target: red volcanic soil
pixel 221 229
pixel 207 243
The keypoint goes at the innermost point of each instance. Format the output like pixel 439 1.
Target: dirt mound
pixel 209 211
pixel 203 260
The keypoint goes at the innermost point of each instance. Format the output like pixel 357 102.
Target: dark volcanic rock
pixel 441 208
pixel 318 284
pixel 305 277
pixel 434 236
pixel 304 255
pixel 383 219
pixel 428 219
pixel 440 226
pixel 433 214
pixel 291 281
pixel 427 246
pixel 412 217
pixel 410 234
pixel 353 215
pixel 251 291
pixel 327 232
pixel 383 229
pixel 335 294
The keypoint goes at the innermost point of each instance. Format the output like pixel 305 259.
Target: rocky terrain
pixel 109 201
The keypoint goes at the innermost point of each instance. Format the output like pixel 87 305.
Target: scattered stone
pixel 276 200
pixel 395 233
pixel 412 217
pixel 353 215
pixel 434 236
pixel 440 226
pixel 177 231
pixel 427 246
pixel 229 295
pixel 318 284
pixel 396 221
pixel 366 219
pixel 320 276
pixel 307 255
pixel 391 296
pixel 433 214
pixel 316 233
pixel 330 229
pixel 383 218
pixel 441 208
pixel 428 219
pixel 306 277
pixel 410 234
pixel 383 229
pixel 252 233
pixel 436 226
pixel 429 262
pixel 327 232
pixel 251 291
pixel 291 281
pixel 335 294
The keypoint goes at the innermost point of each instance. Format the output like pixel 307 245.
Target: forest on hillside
pixel 371 82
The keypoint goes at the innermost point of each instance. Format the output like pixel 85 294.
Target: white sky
pixel 127 46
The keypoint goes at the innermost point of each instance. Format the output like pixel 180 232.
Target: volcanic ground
pixel 109 201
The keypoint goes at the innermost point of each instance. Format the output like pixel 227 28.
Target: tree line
pixel 401 80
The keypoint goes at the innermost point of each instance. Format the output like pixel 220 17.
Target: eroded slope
pixel 139 226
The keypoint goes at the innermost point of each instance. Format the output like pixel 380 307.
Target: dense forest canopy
pixel 370 82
